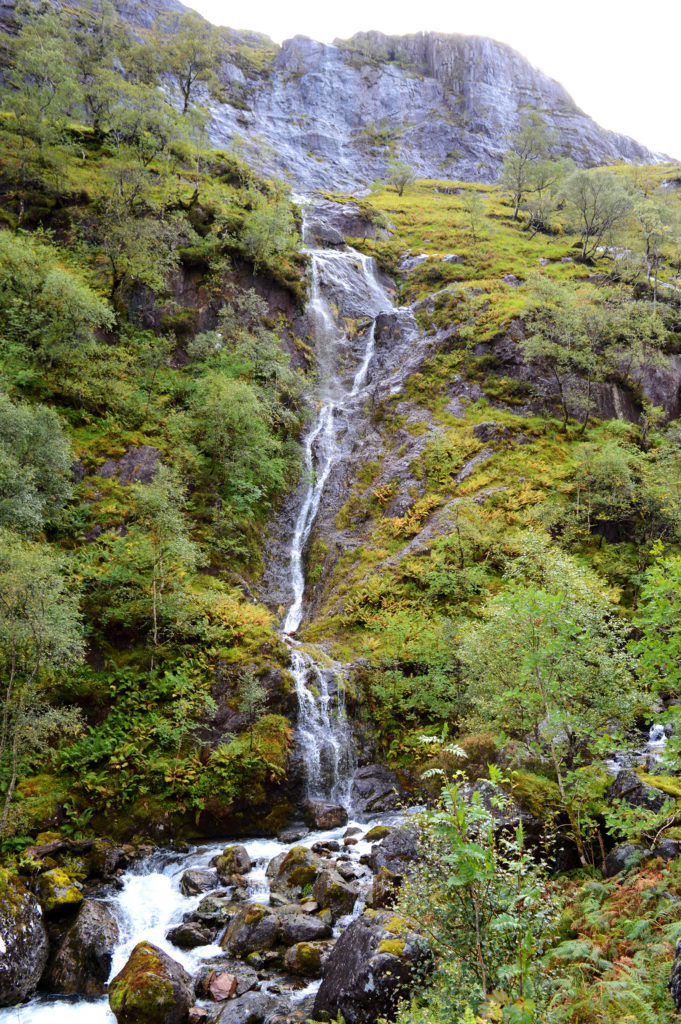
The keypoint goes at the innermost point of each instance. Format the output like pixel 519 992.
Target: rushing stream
pixel 344 283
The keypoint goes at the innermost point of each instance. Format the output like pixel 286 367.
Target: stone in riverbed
pixel 306 958
pixel 196 881
pixel 303 928
pixel 82 962
pixel 232 861
pixel 375 788
pixel 253 1008
pixel 57 892
pixel 322 814
pixel 253 929
pixel 333 893
pixel 190 934
pixel 290 873
pixel 23 943
pixel 152 988
pixel 246 978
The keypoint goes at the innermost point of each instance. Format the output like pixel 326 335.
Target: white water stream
pixel 150 902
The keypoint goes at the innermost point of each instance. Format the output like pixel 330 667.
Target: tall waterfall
pixel 348 280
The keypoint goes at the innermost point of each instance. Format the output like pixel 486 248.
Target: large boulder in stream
pixel 232 861
pixel 23 943
pixel 255 928
pixel 151 989
pixel 290 873
pixel 375 788
pixel 322 814
pixel 195 881
pixel 375 963
pixel 82 962
pixel 332 892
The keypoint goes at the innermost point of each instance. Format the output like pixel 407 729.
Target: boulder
pixel 333 893
pixel 322 814
pixel 232 861
pixel 306 958
pixel 303 928
pixel 57 892
pixel 668 849
pixel 373 965
pixel 194 882
pixel 375 834
pixel 290 873
pixel 396 852
pixel 252 1008
pixel 293 835
pixel 104 859
pixel 151 989
pixel 624 857
pixel 635 792
pixel 375 788
pixel 385 889
pixel 253 929
pixel 82 962
pixel 216 910
pixel 191 934
pixel 246 979
pixel 23 943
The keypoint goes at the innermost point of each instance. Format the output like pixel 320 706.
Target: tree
pixel 252 700
pixel 399 175
pixel 35 467
pixel 268 231
pixel 474 205
pixel 548 665
pixel 597 204
pixel 567 336
pixel 524 162
pixel 45 307
pixel 482 904
pixel 189 53
pixel 40 635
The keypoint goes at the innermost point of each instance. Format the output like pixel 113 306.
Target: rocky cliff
pixel 330 116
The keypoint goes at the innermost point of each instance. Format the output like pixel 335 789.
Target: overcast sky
pixel 619 60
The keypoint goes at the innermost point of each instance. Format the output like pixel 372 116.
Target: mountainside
pixel 332 115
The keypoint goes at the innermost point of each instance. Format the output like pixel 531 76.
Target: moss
pixel 143 989
pixel 534 793
pixel 254 914
pixel 671 785
pixel 376 833
pixel 396 925
pixel 57 892
pixel 392 946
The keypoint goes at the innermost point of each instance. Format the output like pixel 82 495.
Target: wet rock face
pixel 322 814
pixel 82 962
pixel 252 930
pixel 374 963
pixel 23 943
pixel 375 788
pixel 151 989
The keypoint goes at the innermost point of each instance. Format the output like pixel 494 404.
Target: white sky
pixel 619 59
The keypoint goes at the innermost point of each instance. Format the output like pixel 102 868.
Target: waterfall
pixel 347 280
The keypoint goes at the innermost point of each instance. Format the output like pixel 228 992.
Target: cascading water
pixel 350 278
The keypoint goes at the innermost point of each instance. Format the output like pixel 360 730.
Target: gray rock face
pixel 253 929
pixel 375 788
pixel 304 928
pixel 23 943
pixel 83 961
pixel 138 465
pixel 195 881
pixel 368 971
pixel 329 113
pixel 252 1008
pixel 396 852
pixel 630 788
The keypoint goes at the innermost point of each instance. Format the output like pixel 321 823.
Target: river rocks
pixel 216 910
pixel 253 929
pixel 232 861
pixel 253 1008
pixel 151 989
pixel 375 788
pixel 371 967
pixel 396 852
pixel 82 962
pixel 305 958
pixel 57 892
pixel 333 893
pixel 375 834
pixel 23 943
pixel 246 979
pixel 293 835
pixel 194 882
pixel 322 814
pixel 291 872
pixel 303 928
pixel 190 934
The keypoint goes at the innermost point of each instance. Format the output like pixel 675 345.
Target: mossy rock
pixel 57 892
pixel 23 941
pixel 305 958
pixel 393 946
pixel 534 793
pixel 151 989
pixel 375 834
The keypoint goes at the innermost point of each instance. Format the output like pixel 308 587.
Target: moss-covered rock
pixel 375 834
pixel 57 892
pixel 23 942
pixel 334 894
pixel 151 989
pixel 82 962
pixel 252 930
pixel 306 958
pixel 234 860
pixel 292 872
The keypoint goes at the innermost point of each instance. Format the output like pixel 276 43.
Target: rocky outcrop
pixel 373 965
pixel 151 989
pixel 23 943
pixel 82 962
pixel 375 788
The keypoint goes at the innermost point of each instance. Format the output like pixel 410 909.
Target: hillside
pixel 315 502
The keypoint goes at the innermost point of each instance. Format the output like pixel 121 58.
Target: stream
pixel 344 283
